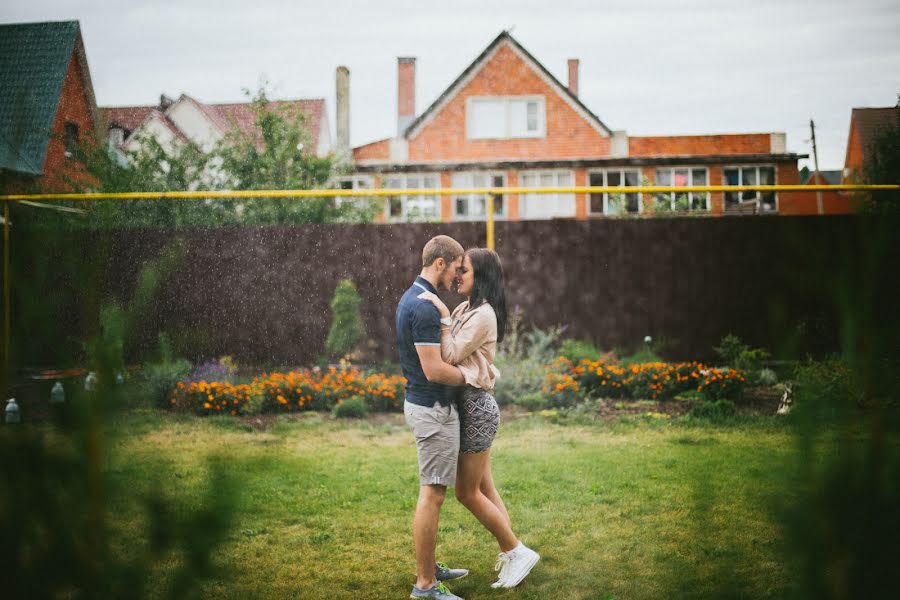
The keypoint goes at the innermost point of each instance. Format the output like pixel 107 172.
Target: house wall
pixel 853 160
pixel 806 203
pixel 152 128
pixel 74 107
pixel 191 120
pixel 751 143
pixel 568 134
pixel 375 151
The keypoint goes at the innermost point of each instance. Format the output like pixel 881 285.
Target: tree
pixel 281 157
pixel 278 155
pixel 346 327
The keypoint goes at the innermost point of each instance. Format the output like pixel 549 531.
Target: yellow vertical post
pixel 490 221
pixel 6 310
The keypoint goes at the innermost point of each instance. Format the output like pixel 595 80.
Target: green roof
pixel 34 58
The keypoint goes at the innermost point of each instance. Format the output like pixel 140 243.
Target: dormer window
pixel 505 117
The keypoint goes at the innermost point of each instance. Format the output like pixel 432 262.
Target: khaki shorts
pixel 436 429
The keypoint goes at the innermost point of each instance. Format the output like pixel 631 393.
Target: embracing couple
pixel 448 362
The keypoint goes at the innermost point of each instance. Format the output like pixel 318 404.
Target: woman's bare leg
pixel 469 475
pixel 489 490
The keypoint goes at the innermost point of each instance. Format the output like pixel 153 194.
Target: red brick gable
pixel 442 137
pixel 379 150
pixel 865 126
pixel 75 106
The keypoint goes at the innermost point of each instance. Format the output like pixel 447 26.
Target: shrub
pixel 351 408
pixel 739 355
pixel 720 384
pixel 221 369
pixel 532 402
pixel 601 379
pixel 713 410
pixel 644 355
pixel 560 388
pixel 826 387
pixel 160 378
pixel 347 326
pixel 766 377
pixel 578 350
pixel 523 359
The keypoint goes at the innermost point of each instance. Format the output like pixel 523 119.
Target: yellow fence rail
pixel 496 191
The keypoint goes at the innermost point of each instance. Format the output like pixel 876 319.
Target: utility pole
pixel 819 205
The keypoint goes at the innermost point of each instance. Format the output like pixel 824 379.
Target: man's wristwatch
pixel 447 321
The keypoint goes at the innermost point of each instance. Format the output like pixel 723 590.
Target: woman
pixel 470 343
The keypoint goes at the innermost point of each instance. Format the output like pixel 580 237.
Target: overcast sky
pixel 650 67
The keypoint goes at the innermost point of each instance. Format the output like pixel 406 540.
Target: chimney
pixel 342 113
pixel 406 92
pixel 165 102
pixel 573 76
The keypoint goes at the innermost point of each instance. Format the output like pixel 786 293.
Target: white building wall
pixel 152 128
pixel 194 123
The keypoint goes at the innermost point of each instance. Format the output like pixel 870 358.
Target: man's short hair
pixel 441 246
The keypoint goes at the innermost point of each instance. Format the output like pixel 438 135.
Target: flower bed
pixel 210 398
pixel 651 380
pixel 300 390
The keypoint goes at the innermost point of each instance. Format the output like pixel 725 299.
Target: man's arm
pixel 436 370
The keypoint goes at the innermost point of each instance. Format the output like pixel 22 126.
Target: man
pixel 430 410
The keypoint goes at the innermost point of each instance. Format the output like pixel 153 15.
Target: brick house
pixel 807 203
pixel 187 120
pixel 46 104
pixel 507 121
pixel 865 125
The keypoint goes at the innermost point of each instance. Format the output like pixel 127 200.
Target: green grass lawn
pixel 625 510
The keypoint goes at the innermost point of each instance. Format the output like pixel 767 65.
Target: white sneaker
pixel 519 562
pixel 502 566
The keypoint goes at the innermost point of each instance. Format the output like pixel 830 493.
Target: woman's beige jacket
pixel 471 344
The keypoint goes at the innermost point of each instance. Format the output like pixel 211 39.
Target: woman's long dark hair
pixel 488 285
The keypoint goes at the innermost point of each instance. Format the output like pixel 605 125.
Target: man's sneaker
pixel 438 591
pixel 518 564
pixel 444 573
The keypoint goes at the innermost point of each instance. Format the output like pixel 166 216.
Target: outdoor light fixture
pixel 120 379
pixel 57 394
pixel 13 414
pixel 647 339
pixel 90 382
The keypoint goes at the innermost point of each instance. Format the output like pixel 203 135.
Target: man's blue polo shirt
pixel 419 323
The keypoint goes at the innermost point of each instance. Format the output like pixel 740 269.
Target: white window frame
pixel 621 172
pixel 757 195
pixel 408 204
pixel 357 182
pixel 464 179
pixel 691 195
pixel 540 132
pixel 568 198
